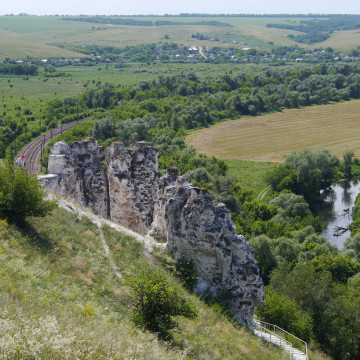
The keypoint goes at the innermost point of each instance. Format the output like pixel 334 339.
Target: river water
pixel 342 196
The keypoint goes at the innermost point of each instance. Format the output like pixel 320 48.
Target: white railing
pixel 282 335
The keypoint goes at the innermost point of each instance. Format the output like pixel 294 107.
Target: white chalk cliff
pixel 124 185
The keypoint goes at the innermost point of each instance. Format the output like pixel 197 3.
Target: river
pixel 342 196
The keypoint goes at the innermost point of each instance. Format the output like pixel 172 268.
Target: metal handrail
pixel 273 333
pixel 264 325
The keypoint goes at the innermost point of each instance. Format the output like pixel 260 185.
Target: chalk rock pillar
pixel 132 175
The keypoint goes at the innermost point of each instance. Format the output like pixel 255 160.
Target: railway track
pixel 33 150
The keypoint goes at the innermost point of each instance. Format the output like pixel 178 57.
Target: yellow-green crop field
pixel 273 136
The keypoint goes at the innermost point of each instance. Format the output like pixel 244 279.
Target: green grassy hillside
pixel 61 300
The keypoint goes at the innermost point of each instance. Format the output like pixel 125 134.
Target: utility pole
pixel 41 151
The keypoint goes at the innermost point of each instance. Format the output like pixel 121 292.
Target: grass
pixel 250 174
pixel 59 299
pixel 273 136
pixel 341 40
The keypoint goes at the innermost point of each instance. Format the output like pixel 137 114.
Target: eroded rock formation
pixel 186 217
pixel 128 189
pixel 80 174
pixel 132 176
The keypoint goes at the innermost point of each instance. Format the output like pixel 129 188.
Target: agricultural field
pixel 273 136
pixel 341 40
pixel 38 37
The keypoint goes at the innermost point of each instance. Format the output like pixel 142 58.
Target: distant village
pixel 238 52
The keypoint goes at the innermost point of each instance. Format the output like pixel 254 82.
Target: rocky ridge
pixel 124 185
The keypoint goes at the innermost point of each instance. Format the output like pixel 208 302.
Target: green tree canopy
pixel 21 194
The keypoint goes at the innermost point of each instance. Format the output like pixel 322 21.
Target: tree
pixel 264 256
pixel 291 206
pixel 21 194
pixel 283 312
pixel 353 242
pixel 305 173
pixel 348 156
pixel 154 301
pixel 104 128
pixel 282 178
pixel 340 267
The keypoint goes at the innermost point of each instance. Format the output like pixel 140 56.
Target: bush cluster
pixel 155 301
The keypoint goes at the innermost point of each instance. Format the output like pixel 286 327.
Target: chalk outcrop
pixel 128 189
pixel 132 176
pixel 81 174
pixel 192 226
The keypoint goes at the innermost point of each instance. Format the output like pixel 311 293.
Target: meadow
pixel 250 174
pixel 273 136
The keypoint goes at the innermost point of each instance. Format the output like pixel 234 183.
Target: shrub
pixel 21 194
pixel 154 301
pixel 186 271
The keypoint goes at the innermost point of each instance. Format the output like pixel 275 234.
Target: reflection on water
pixel 331 212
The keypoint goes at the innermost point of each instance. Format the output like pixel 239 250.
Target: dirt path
pixel 263 193
pixel 201 52
pixel 148 242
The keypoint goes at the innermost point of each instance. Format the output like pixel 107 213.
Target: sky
pixel 161 7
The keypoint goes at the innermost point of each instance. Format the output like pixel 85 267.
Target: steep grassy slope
pixel 59 299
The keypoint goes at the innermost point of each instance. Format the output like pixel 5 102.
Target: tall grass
pixel 60 299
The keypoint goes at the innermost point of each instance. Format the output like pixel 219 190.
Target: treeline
pixel 134 22
pixel 140 53
pixel 249 15
pixel 208 23
pixel 315 30
pixel 195 102
pixel 109 20
pixel 19 69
